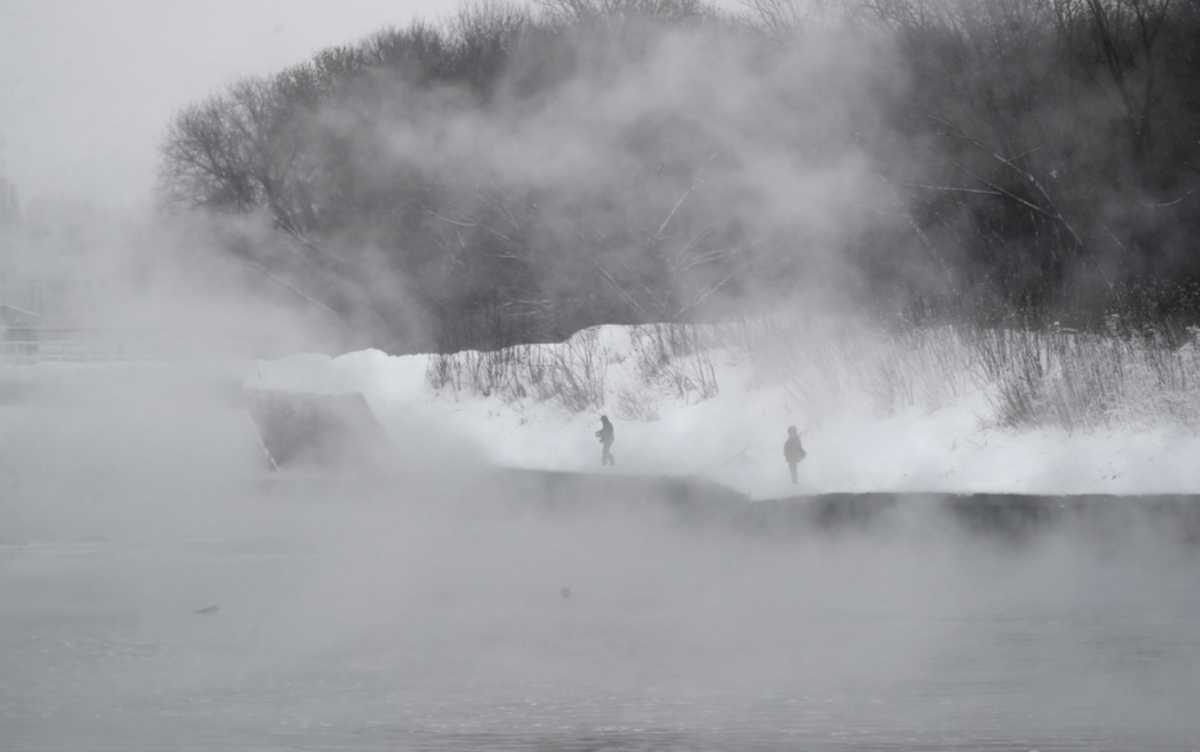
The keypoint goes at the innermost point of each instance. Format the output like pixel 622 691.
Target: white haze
pixel 427 603
pixel 87 88
pixel 802 187
pixel 425 606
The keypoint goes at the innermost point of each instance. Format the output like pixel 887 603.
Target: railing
pixel 22 345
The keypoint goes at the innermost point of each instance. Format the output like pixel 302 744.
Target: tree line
pixel 516 173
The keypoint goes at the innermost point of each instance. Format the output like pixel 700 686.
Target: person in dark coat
pixel 605 435
pixel 793 451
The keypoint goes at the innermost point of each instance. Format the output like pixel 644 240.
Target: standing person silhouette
pixel 605 434
pixel 793 451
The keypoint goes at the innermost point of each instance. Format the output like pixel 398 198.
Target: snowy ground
pixel 736 436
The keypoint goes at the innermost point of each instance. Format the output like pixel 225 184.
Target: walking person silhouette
pixel 793 451
pixel 606 437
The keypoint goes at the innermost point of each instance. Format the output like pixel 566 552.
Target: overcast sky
pixel 88 86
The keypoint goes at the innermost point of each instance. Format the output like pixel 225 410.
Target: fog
pixel 162 587
pixel 125 66
pixel 658 172
pixel 158 586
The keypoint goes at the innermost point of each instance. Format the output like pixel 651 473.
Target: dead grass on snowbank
pixel 571 372
pixel 1029 378
pixel 666 358
pixel 1081 381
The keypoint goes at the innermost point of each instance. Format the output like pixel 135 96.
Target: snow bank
pixel 668 424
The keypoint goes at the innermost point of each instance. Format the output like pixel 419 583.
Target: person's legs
pixel 792 468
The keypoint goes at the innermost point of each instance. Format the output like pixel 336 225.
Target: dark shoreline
pixel 699 503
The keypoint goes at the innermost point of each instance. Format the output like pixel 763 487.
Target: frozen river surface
pixel 383 630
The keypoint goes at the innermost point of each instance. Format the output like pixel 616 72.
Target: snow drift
pixel 933 410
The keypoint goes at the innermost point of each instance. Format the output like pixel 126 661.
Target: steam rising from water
pixel 158 587
pixel 426 609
